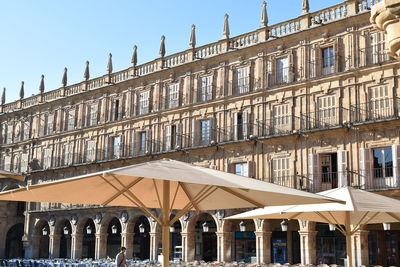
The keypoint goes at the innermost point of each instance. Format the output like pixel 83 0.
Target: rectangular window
pixel 282 70
pixel 377 53
pixel 173 95
pixel 116 147
pixel 327 110
pixel 142 136
pixel 7 163
pixel 144 102
pixel 281 171
pixel 380 105
pixel 47 158
pixel 383 162
pixel 71 120
pixel 242 80
pixel 328 168
pixel 91 151
pixel 68 154
pixel 282 118
pixel 170 137
pixel 242 169
pixel 50 124
pixel 205 92
pixel 116 110
pixel 328 60
pixel 26 130
pixel 205 130
pixel 9 133
pixel 24 162
pixel 93 109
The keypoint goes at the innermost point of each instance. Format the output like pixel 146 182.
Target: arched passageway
pixel 176 241
pixel 206 238
pixel 44 231
pixel 113 238
pixel 65 239
pixel 14 246
pixel 331 245
pixel 244 240
pixel 141 239
pixel 89 240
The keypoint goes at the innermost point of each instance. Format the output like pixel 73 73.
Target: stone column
pixel 101 246
pixel 76 245
pixel 385 17
pixel 127 241
pixel 308 247
pixel 359 244
pixel 54 245
pixel 188 246
pixel 154 241
pixel 263 247
pixel 224 250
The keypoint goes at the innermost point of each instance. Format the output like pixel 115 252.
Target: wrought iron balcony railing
pixel 375 110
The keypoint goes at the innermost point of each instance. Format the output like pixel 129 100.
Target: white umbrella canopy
pixel 167 185
pixel 361 208
pixel 6 174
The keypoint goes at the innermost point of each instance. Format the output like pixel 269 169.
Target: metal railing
pixel 324 118
pixel 375 110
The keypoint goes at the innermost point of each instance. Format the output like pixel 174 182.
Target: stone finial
pixel 41 86
pixel 192 41
pixel 65 77
pixel 109 65
pixel 134 56
pixel 86 74
pixel 3 96
pixel 162 46
pixel 226 32
pixel 264 15
pixel 305 7
pixel 21 91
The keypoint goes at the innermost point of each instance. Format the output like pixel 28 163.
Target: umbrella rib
pixel 158 195
pixel 188 194
pixel 126 188
pixel 358 226
pixel 135 200
pixel 340 228
pixel 238 195
pixel 198 198
pixel 359 222
pixel 394 216
pixel 175 195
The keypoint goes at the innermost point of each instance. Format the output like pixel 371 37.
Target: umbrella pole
pixel 348 241
pixel 165 225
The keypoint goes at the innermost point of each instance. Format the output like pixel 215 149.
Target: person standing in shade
pixel 120 259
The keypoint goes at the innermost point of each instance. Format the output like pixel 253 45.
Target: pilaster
pixel 263 247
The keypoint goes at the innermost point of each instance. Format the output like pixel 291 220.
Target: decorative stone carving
pixel 52 221
pixel 124 217
pixel 74 219
pixel 98 217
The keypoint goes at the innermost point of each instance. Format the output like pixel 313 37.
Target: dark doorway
pixel 89 240
pixel 14 247
pixel 141 239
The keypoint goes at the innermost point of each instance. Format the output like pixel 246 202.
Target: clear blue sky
pixel 44 36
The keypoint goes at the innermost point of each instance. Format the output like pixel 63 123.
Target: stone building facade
pixel 310 103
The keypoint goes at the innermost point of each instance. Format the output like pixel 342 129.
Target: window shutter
pixel 365 168
pixel 396 164
pixel 290 67
pixel 135 147
pixel 178 135
pixel 213 134
pixel 252 169
pixel 342 168
pixel 195 132
pixel 231 167
pixel 313 171
pixel 245 116
pixel 235 126
pixel 168 137
pixel 148 142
